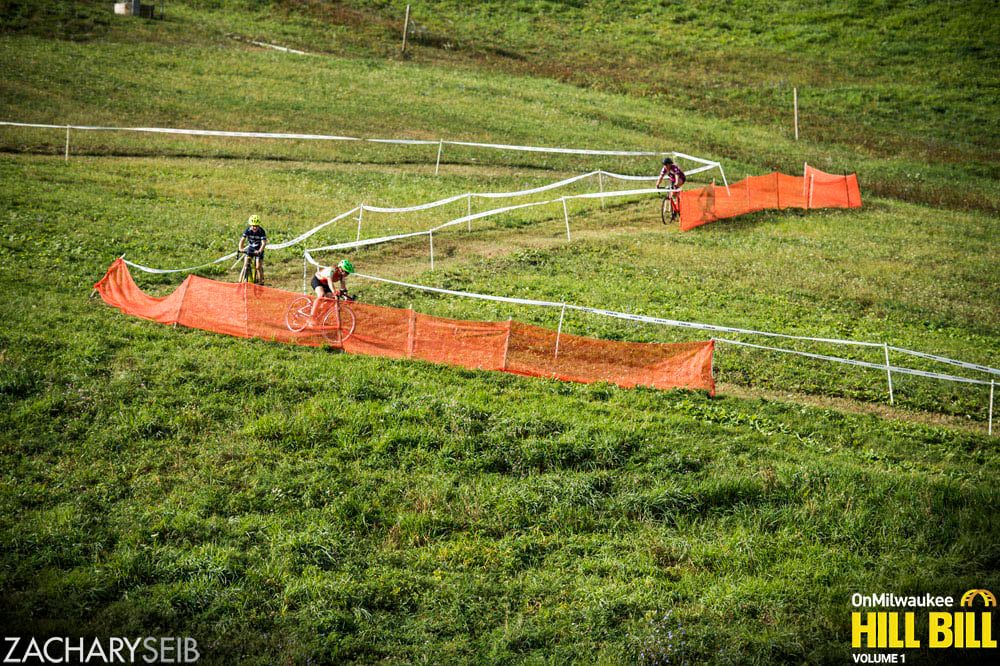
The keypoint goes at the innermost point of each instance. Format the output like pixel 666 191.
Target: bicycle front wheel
pixel 665 210
pixel 339 323
pixel 297 314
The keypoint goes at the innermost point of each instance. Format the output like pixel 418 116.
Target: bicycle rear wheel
pixel 339 323
pixel 297 314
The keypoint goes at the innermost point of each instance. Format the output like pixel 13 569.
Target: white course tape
pixel 540 149
pixel 863 364
pixel 949 361
pixel 324 137
pixel 192 132
pixel 299 239
pixel 683 324
pixel 147 269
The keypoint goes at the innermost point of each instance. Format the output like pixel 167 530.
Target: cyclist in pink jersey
pixel 677 179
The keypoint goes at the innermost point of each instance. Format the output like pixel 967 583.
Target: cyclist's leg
pixel 321 291
pixel 260 268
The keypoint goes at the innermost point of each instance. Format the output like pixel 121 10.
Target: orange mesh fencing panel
pixel 246 310
pixel 470 344
pixel 119 290
pixel 772 191
pixel 381 331
pixel 535 351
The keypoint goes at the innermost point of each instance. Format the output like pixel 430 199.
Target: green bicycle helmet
pixel 254 221
pixel 346 266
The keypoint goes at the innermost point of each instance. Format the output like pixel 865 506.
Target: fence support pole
pixel 566 217
pixel 469 211
pixel 805 168
pixel 361 212
pixel 812 185
pixel 437 165
pixel 430 234
pixel 406 27
pixel 989 430
pixel 888 372
pixel 600 181
pixel 67 143
pixel 726 182
pixel 562 315
pixel 795 102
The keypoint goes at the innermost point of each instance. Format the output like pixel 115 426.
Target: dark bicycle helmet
pixel 667 160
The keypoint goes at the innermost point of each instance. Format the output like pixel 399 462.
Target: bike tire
pixel 297 314
pixel 339 323
pixel 665 210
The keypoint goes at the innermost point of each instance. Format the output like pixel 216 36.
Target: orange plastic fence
pixel 246 310
pixel 776 190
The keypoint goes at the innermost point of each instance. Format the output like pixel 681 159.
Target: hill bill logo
pixel 989 599
pixel 967 629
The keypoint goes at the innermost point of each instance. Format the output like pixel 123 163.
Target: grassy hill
pixel 299 506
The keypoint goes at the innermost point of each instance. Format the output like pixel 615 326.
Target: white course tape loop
pixel 147 269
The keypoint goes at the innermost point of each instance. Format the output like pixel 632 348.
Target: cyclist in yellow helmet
pixel 252 244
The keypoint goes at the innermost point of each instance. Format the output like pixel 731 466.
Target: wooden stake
pixel 795 101
pixel 888 371
pixel 406 27
pixel 566 216
pixel 67 143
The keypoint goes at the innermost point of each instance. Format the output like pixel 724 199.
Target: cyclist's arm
pixel 242 246
pixel 659 181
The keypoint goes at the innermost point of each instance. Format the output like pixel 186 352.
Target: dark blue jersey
pixel 255 238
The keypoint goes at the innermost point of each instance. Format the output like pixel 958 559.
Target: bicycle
pixel 335 316
pixel 672 203
pixel 249 271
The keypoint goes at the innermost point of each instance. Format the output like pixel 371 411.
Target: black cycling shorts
pixel 254 252
pixel 316 282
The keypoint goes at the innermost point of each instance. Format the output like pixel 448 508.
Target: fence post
pixel 406 27
pixel 305 271
pixel 566 217
pixel 469 212
pixel 67 143
pixel 724 181
pixel 812 185
pixel 600 181
pixel 430 234
pixel 361 212
pixel 989 430
pixel 805 168
pixel 437 165
pixel 506 344
pixel 888 371
pixel 795 102
pixel 562 315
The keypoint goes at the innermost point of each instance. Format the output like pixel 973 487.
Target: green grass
pixel 293 505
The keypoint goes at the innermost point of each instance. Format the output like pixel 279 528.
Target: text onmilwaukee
pixel 890 600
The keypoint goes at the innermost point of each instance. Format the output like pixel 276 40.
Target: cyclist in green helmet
pixel 325 279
